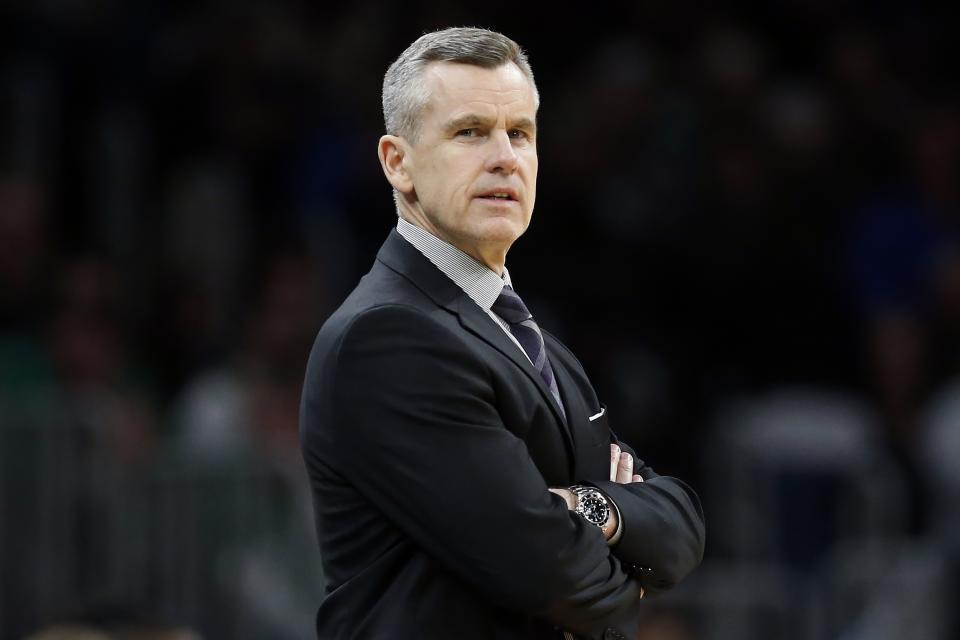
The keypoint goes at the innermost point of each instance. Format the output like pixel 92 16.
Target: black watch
pixel 592 505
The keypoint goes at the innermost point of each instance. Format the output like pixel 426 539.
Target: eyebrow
pixel 472 120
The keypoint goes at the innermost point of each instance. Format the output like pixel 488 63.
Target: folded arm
pixel 663 531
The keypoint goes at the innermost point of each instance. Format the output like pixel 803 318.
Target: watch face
pixel 594 509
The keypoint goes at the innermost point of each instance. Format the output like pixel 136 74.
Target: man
pixel 466 483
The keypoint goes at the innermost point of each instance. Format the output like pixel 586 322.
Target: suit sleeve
pixel 416 429
pixel 663 526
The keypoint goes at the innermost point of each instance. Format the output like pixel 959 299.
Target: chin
pixel 501 230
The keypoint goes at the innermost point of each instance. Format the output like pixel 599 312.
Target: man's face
pixel 477 137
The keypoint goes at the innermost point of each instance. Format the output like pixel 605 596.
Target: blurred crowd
pixel 765 197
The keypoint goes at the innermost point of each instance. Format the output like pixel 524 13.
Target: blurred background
pixel 764 196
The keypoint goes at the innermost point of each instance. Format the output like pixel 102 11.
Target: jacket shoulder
pixel 380 291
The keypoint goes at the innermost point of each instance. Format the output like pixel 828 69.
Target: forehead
pixel 455 87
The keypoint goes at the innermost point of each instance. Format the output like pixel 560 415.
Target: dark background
pixel 756 207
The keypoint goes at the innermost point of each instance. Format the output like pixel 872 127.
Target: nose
pixel 502 157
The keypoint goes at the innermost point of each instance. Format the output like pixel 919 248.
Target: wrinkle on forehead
pixel 509 90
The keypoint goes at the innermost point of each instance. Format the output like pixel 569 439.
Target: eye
pixel 519 133
pixel 469 133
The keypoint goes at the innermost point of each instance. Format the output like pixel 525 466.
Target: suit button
pixel 613 634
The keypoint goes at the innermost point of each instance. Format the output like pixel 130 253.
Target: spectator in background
pixel 247 407
pixel 85 434
pixel 98 379
pixel 113 623
pixel 25 252
pixel 236 427
pixel 903 258
pixel 25 260
pixel 112 632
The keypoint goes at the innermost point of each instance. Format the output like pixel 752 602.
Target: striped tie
pixel 510 307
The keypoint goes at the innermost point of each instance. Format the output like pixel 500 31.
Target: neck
pixel 494 261
pixel 493 257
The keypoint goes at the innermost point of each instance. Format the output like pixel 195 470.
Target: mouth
pixel 499 195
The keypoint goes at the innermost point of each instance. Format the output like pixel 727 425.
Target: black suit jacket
pixel 430 441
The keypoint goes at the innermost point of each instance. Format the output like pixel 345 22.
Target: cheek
pixel 452 177
pixel 532 180
pixel 531 166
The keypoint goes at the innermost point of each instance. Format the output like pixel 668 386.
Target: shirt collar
pixel 478 281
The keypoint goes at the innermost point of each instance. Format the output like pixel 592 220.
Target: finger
pixel 614 461
pixel 637 478
pixel 625 468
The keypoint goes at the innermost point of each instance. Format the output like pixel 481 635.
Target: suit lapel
pixel 480 324
pixel 404 258
pixel 572 400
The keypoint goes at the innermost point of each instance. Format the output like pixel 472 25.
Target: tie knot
pixel 510 307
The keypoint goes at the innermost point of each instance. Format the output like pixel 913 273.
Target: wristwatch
pixel 592 505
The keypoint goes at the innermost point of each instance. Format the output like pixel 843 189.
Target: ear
pixel 395 158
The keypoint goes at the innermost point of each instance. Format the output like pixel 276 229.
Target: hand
pixel 621 467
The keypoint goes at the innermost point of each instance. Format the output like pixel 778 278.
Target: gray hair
pixel 404 93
